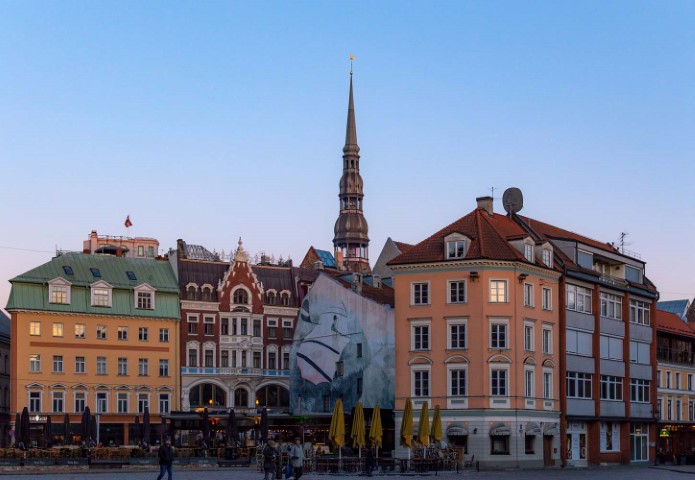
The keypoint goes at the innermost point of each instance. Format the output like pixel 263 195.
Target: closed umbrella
pixel 163 429
pixel 146 433
pixel 423 428
pixel 206 427
pixel 337 432
pixel 376 432
pixel 25 427
pixel 231 429
pixel 437 425
pixel 407 426
pixel 137 429
pixel 264 425
pixel 17 429
pixel 47 434
pixel 86 425
pixel 94 428
pixel 66 429
pixel 357 430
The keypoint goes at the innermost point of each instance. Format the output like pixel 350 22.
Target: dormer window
pixel 240 296
pixel 207 292
pixel 191 290
pixel 456 246
pixel 285 298
pixel 59 291
pixel 548 257
pixel 144 297
pixel 101 294
pixel 529 250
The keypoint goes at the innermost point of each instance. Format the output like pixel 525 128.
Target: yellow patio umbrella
pixel 337 432
pixel 357 430
pixel 407 425
pixel 423 427
pixel 437 425
pixel 376 432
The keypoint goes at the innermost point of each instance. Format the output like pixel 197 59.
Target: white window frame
pixel 35 328
pixel 97 297
pixel 58 329
pixel 143 334
pixel 79 396
pixel 547 339
pixel 578 378
pixel 459 242
pixel 144 289
pixel 528 295
pixel 572 342
pixel 421 368
pixel 497 322
pixel 529 250
pixel 58 284
pixel 164 364
pixel 143 367
pixel 495 297
pixel 102 332
pixel 419 297
pixel 164 399
pixel 83 328
pixel 611 347
pixel 32 400
pixel 164 335
pixel 547 298
pixel 548 393
pixel 640 312
pixel 58 395
pixel 613 387
pixel 122 333
pixel 122 363
pixel 575 292
pixel 529 340
pixel 143 396
pixel 419 324
pixel 82 364
pixel 102 402
pixel 451 322
pixel 450 368
pixel 547 257
pixel 529 387
pixel 502 367
pixel 35 363
pixel 122 400
pixel 611 306
pixel 449 296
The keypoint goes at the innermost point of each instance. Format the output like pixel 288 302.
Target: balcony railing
pixel 675 355
pixel 234 371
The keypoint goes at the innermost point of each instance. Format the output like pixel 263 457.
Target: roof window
pixel 131 275
pixel 68 270
pixel 95 272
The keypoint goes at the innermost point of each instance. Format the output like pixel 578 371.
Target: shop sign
pixel 664 433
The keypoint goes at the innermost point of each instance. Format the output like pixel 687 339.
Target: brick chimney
pixel 485 203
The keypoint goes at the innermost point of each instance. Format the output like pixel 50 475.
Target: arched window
pixel 285 298
pixel 207 293
pixel 190 293
pixel 273 396
pixel 240 296
pixel 241 397
pixel 207 395
pixel 270 298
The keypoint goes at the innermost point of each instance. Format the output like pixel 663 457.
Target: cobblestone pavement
pixel 612 473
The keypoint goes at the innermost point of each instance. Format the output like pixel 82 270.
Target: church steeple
pixel 351 240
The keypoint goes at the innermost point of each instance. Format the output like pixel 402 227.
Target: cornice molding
pixel 466 265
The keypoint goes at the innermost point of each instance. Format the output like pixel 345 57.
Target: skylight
pixel 95 272
pixel 131 275
pixel 68 270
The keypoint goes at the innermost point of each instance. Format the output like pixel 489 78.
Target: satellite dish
pixel 512 200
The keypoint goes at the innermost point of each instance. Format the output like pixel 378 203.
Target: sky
pixel 210 121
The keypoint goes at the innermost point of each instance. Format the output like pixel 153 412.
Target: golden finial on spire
pixel 352 58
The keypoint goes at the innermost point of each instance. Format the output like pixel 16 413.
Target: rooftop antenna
pixel 622 242
pixel 492 192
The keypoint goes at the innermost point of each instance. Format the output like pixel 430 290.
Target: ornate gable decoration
pixel 240 288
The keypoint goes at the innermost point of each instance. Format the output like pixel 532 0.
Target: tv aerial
pixel 512 200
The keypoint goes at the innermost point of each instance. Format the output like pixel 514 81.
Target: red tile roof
pixel 559 233
pixel 670 322
pixel 403 247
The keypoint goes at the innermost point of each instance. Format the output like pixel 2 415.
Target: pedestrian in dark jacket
pixel 270 455
pixel 166 459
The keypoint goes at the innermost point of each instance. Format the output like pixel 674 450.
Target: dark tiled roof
pixel 670 322
pixel 198 252
pixel 4 325
pixel 383 295
pixel 559 233
pixel 403 247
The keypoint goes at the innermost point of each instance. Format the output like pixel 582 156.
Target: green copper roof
pixel 30 289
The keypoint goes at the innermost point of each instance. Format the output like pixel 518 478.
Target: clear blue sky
pixel 212 120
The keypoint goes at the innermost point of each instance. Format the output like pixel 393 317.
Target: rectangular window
pixel 611 306
pixel 578 385
pixel 192 357
pixel 272 328
pixel 234 358
pixel 35 328
pixel 498 335
pixel 457 291
pixel 256 359
pixel 456 249
pixel 287 329
pixel 143 402
pixel 611 387
pixel 286 359
pixel 79 365
pixel 547 385
pixel 34 402
pixel 101 365
pixel 272 360
pixel 585 259
pixel 498 291
pixel 164 335
pixel 80 330
pixel 457 335
pixel 690 382
pixel 164 367
pixel 244 326
pixel 164 403
pixel 578 342
pixel 498 382
pixel 679 411
pixel 143 334
pixel 528 252
pixel 547 298
pixel 420 293
pixel 633 274
pixel 101 297
pixel 610 437
pixel 691 411
pixel 421 337
pixel 80 401
pixel 244 359
pixel 640 353
pixel 209 323
pixel 122 402
pixel 141 250
pixel 422 383
pixel 101 332
pixel 528 338
pixel 529 383
pixel 639 312
pixel 547 341
pixel 224 358
pixel 209 358
pixel 224 326
pixel 145 300
pixel 457 380
pixel 678 381
pixel 143 367
pixel 57 364
pixel 669 409
pixel 102 402
pixel 57 329
pixel 611 347
pixel 256 328
pixel 122 366
pixel 35 363
pixel 59 294
pixel 548 258
pixel 123 333
pixel 658 379
pixel 578 299
pixel 668 380
pixel 528 295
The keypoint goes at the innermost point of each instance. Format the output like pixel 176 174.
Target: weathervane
pixel 352 59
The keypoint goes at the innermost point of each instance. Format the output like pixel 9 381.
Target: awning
pixel 456 430
pixel 532 428
pixel 551 429
pixel 499 430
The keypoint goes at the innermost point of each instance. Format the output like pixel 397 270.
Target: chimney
pixel 339 259
pixel 119 252
pixel 485 203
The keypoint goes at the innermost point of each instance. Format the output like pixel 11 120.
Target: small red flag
pixel 128 223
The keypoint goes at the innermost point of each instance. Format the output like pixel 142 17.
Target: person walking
pixel 166 460
pixel 270 455
pixel 297 458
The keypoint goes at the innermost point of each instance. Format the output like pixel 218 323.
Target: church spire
pixel 351 240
